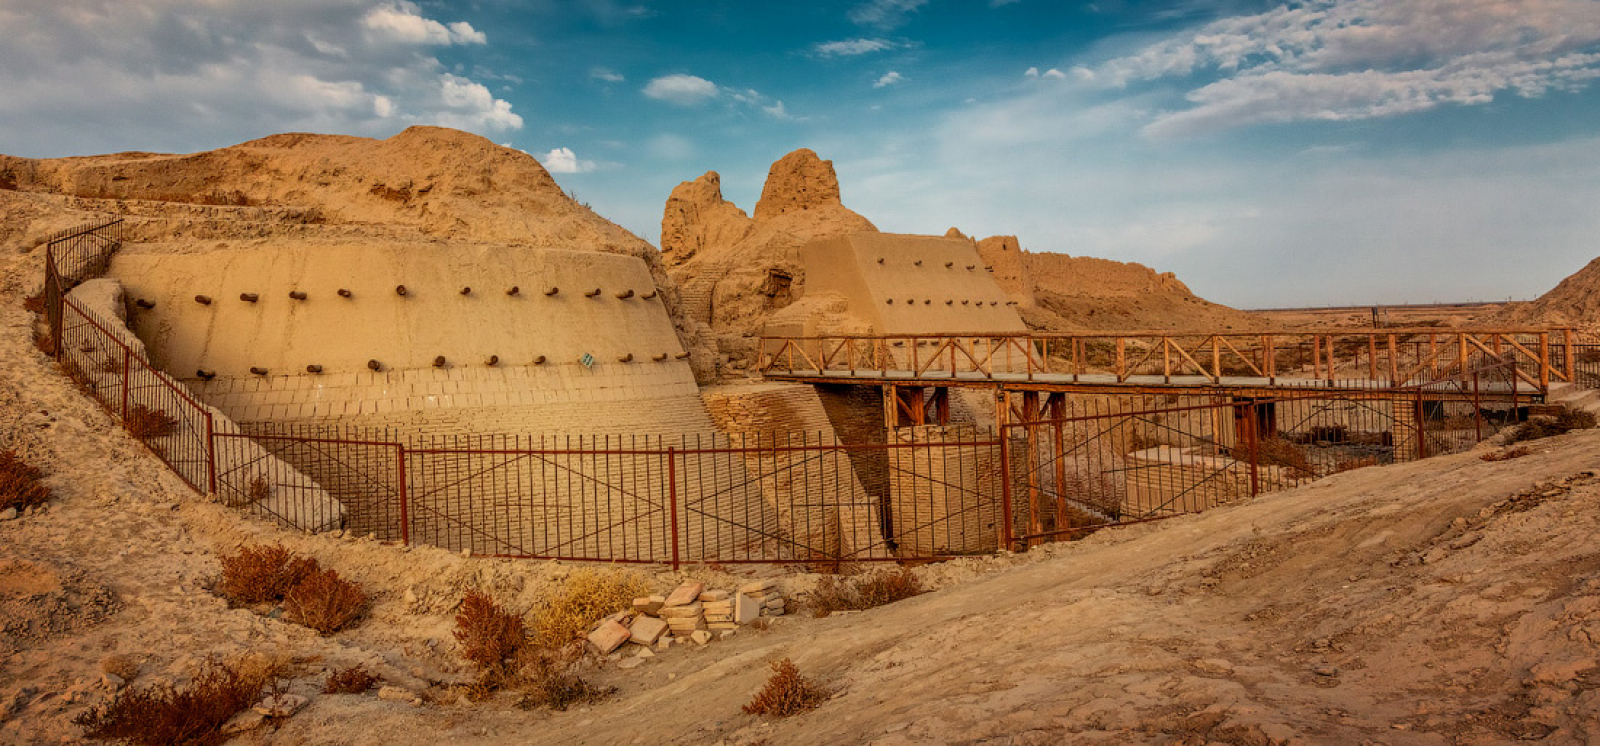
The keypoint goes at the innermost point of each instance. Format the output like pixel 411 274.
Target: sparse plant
pixel 1349 464
pixel 489 635
pixel 858 594
pixel 145 422
pixel 1544 427
pixel 259 489
pixel 261 572
pixel 586 597
pixel 787 693
pixel 21 484
pixel 324 602
pixel 351 680
pixel 1280 453
pixel 163 714
pixel 34 303
pixel 545 679
pixel 1507 454
pixel 42 342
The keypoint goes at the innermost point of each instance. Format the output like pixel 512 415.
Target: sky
pixel 1326 152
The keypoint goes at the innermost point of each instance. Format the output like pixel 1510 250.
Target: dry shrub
pixel 20 485
pixel 489 635
pixel 858 594
pixel 163 714
pixel 787 693
pixel 260 573
pixel 259 489
pixel 1507 454
pixel 545 679
pixel 34 303
pixel 586 597
pixel 352 680
pixel 145 422
pixel 324 602
pixel 495 640
pixel 42 341
pixel 1544 427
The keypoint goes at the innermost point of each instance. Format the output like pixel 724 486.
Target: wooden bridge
pixel 1162 362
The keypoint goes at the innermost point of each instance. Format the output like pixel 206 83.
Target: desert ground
pixel 1454 600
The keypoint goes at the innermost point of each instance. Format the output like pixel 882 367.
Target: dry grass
pixel 20 485
pixel 586 597
pixel 259 489
pixel 163 714
pixel 324 602
pixel 545 679
pixel 145 422
pixel 1544 427
pixel 34 303
pixel 260 573
pixel 43 343
pixel 1507 454
pixel 1349 464
pixel 787 693
pixel 858 594
pixel 352 680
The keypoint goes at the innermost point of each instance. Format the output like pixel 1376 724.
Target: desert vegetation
pixel 165 714
pixel 835 593
pixel 496 642
pixel 21 485
pixel 1545 427
pixel 311 596
pixel 350 680
pixel 787 693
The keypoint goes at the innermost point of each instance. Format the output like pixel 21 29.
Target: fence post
pixel 672 500
pixel 405 494
pixel 1422 427
pixel 211 453
pixel 1566 354
pixel 127 377
pixel 1250 442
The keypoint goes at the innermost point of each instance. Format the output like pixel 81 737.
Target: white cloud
pixel 776 111
pixel 1033 72
pixel 852 47
pixel 401 21
pixel 606 75
pixel 182 75
pixel 884 13
pixel 682 90
pixel 1357 59
pixel 889 78
pixel 564 161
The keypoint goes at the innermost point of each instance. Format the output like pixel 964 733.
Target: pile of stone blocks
pixel 689 613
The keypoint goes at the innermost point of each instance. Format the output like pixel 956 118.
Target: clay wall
pixel 905 284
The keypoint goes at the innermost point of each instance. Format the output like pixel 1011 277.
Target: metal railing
pixel 1376 359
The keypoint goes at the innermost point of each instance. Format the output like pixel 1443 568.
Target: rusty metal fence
pixel 921 492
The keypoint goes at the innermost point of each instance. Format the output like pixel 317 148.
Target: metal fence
pixel 921 492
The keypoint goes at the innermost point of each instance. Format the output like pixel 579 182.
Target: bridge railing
pixel 1379 358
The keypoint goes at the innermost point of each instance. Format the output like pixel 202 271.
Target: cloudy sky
pixel 1320 152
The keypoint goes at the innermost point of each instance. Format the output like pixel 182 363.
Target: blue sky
pixel 1326 152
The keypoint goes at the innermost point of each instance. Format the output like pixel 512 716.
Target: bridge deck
pixel 1108 383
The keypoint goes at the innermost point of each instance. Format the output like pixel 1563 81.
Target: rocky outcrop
pixel 697 217
pixel 737 272
pixel 798 181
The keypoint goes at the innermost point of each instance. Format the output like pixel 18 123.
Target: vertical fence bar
pixel 211 452
pixel 404 493
pixel 672 501
pixel 1250 443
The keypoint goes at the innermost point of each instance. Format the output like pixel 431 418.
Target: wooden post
pixel 1316 356
pixel 1372 357
pixel 1567 352
pixel 1216 359
pixel 1058 412
pixel 1544 362
pixel 1272 358
pixel 1002 418
pixel 1121 359
pixel 1394 361
pixel 1030 406
pixel 1166 359
pixel 1461 352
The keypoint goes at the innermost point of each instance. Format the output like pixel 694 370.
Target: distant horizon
pixel 1267 154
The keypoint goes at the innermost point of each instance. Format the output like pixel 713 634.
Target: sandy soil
pixel 1445 601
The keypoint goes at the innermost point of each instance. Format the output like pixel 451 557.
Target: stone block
pixel 609 636
pixel 649 604
pixel 685 594
pixel 679 612
pixel 701 637
pixel 717 595
pixel 758 586
pixel 745 609
pixel 647 629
